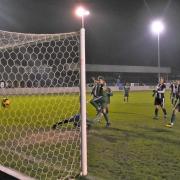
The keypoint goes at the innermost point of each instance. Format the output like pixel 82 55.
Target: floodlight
pixel 157 27
pixel 80 11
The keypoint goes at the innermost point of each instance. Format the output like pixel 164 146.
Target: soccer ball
pixel 5 102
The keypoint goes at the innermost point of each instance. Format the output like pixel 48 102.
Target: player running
pixel 160 99
pixel 175 109
pixel 126 92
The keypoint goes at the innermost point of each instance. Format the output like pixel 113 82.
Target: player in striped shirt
pixel 126 92
pixel 160 99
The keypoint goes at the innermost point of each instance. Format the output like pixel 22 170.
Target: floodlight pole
pixel 159 58
pixel 83 100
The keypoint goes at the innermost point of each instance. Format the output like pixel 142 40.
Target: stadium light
pixel 157 27
pixel 81 12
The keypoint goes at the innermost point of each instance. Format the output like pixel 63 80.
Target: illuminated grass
pixel 136 146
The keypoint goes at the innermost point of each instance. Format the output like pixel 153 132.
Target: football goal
pixel 40 118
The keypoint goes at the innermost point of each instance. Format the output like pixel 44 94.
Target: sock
pixel 173 118
pixel 106 117
pixel 164 111
pixel 156 111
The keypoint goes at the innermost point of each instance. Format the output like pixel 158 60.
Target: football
pixel 5 102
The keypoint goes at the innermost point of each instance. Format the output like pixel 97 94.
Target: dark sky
pixel 117 31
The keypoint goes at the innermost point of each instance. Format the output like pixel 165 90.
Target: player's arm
pixel 109 92
pixel 163 90
pixel 129 88
pixel 154 92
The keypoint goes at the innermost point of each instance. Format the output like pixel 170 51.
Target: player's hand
pixel 93 78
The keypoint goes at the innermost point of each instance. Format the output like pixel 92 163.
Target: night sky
pixel 117 31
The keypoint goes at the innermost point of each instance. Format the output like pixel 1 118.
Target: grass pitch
pixel 135 147
pixel 29 145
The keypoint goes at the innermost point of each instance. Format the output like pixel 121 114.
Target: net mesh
pixel 39 76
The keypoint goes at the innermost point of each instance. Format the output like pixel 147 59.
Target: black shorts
pixel 126 94
pixel 159 102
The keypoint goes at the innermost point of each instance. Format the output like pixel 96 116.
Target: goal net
pixel 40 79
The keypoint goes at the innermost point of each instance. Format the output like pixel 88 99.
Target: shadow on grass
pixel 139 135
pixel 158 129
pixel 131 113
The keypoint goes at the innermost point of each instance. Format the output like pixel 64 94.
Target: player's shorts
pixel 177 95
pixel 173 95
pixel 126 94
pixel 104 105
pixel 159 102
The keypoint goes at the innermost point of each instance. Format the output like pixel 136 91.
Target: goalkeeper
pixel 75 120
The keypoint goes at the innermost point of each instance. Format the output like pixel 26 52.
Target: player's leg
pixel 75 119
pixel 173 98
pixel 105 114
pixel 95 103
pixel 156 103
pixel 156 112
pixel 159 103
pixel 64 121
pixel 163 108
pixel 125 97
pixel 107 108
pixel 173 117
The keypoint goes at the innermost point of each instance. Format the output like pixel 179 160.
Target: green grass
pixel 135 147
pixel 27 142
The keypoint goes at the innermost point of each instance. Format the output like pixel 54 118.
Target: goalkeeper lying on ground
pixel 75 120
